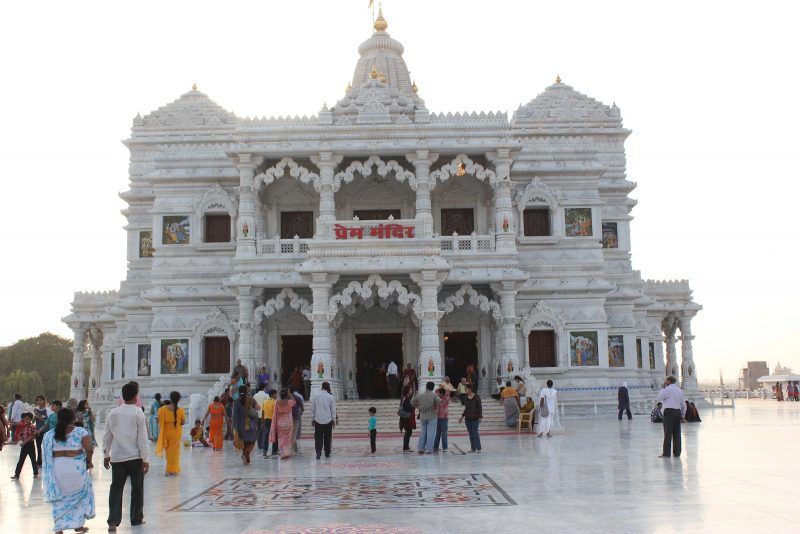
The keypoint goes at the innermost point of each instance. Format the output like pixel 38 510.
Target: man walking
pixel 306 374
pixel 392 379
pixel 426 402
pixel 674 404
pixel 126 453
pixel 260 397
pixel 324 419
pixel 297 416
pixel 623 401
pixel 15 415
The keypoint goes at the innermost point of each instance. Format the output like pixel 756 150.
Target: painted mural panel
pixel 578 222
pixel 638 353
pixel 143 359
pixel 616 351
pixel 652 355
pixel 146 244
pixel 174 356
pixel 610 236
pixel 583 349
pixel 176 230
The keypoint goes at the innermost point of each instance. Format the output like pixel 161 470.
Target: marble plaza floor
pixel 738 473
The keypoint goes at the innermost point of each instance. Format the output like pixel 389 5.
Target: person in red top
pixel 26 433
pixel 442 419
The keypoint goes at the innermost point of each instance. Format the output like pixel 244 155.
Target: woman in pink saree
pixel 281 429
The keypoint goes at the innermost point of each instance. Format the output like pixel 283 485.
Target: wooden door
pixel 536 222
pixel 458 220
pixel 297 223
pixel 542 348
pixel 216 355
pixel 218 228
pixel 376 215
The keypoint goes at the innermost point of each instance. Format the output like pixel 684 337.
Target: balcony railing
pixel 289 248
pixel 467 244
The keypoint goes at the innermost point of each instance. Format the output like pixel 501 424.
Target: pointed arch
pixel 467 294
pixel 542 316
pixel 215 198
pixel 463 165
pixel 215 322
pixel 278 302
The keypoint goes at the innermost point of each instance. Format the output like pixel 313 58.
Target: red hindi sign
pixel 379 231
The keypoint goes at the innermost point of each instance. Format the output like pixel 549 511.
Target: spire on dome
pixel 194 87
pixel 558 78
pixel 380 23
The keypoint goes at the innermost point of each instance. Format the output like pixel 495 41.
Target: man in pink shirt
pixel 442 418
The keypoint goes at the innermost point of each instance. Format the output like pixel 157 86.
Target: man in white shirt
pixel 324 419
pixel 393 380
pixel 126 452
pixel 15 415
pixel 674 404
pixel 260 396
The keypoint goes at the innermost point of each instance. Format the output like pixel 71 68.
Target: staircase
pixel 353 416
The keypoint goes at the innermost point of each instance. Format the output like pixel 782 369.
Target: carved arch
pixel 538 191
pixel 540 316
pixel 215 198
pixel 278 302
pixel 279 170
pixel 365 168
pixel 462 164
pixel 215 322
pixel 371 287
pixel 467 294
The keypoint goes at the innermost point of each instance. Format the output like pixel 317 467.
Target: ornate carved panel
pixel 376 215
pixel 458 220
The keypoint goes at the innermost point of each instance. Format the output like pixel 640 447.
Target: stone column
pixel 326 162
pixel 77 387
pixel 247 351
pixel 507 292
pixel 688 377
pixel 245 224
pixel 672 358
pixel 94 363
pixel 503 209
pixel 422 161
pixel 321 356
pixel 430 365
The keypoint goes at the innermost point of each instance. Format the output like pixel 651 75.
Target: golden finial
pixel 349 87
pixel 194 87
pixel 414 87
pixel 380 24
pixel 558 78
pixel 374 73
pixel 382 77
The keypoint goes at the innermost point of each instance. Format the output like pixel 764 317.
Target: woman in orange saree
pixel 216 415
pixel 171 420
pixel 281 429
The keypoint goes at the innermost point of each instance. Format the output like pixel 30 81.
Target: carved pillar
pixel 671 368
pixel 431 365
pixel 77 387
pixel 507 293
pixel 94 362
pixel 688 377
pixel 245 225
pixel 273 362
pixel 247 352
pixel 422 161
pixel 326 162
pixel 503 210
pixel 321 356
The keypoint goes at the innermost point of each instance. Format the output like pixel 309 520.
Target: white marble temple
pixel 738 474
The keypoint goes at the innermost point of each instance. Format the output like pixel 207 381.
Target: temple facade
pixel 380 231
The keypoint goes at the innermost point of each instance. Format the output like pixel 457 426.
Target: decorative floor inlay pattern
pixel 338 528
pixel 344 448
pixel 349 492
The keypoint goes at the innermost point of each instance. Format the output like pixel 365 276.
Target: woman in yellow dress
pixel 170 421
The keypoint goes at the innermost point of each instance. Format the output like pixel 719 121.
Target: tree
pixel 46 354
pixel 26 383
pixel 63 386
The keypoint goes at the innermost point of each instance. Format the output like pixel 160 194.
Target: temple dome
pixel 386 55
pixel 562 106
pixel 192 110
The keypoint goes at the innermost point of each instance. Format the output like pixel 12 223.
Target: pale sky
pixel 708 88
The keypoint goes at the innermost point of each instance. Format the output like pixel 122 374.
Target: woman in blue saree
pixel 154 417
pixel 67 458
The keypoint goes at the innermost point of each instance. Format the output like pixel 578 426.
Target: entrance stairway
pixel 353 416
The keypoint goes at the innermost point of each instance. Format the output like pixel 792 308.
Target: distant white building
pixel 380 230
